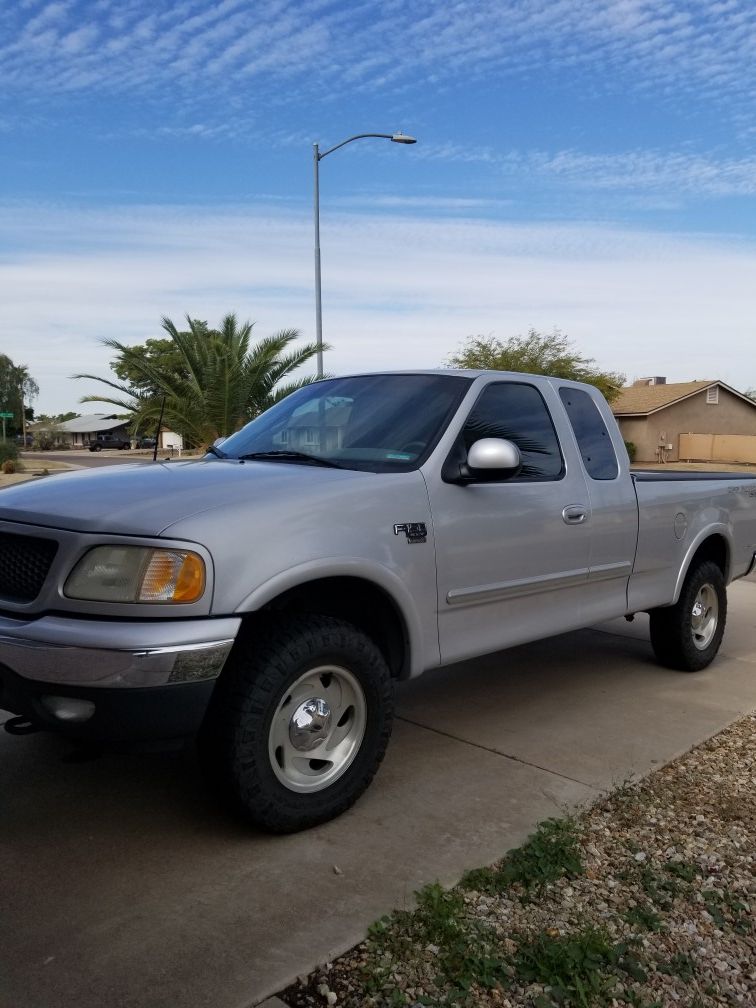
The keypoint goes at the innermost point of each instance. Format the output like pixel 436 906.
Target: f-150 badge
pixel 416 532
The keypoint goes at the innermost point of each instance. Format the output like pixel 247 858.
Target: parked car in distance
pixel 108 441
pixel 24 441
pixel 146 442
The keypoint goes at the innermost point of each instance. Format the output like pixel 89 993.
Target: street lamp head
pixel 402 138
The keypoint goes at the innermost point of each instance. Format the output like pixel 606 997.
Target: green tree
pixel 219 382
pixel 16 388
pixel 57 418
pixel 162 355
pixel 536 353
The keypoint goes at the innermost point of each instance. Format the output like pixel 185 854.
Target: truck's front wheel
pixel 687 635
pixel 299 723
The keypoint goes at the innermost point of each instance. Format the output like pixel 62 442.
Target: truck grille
pixel 24 563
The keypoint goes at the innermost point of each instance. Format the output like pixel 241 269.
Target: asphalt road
pixel 122 884
pixel 88 459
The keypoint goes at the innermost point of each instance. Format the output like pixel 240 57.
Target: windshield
pixel 380 423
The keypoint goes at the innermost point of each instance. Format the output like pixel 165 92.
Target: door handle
pixel 574 514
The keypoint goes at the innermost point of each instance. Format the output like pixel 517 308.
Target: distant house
pixel 307 430
pixel 698 420
pixel 79 431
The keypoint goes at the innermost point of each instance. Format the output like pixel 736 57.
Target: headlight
pixel 137 574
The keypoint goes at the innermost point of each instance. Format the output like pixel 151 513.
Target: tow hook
pixel 21 726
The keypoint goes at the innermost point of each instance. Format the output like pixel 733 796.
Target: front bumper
pixel 112 680
pixel 114 715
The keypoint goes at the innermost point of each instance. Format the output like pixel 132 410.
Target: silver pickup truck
pixel 363 530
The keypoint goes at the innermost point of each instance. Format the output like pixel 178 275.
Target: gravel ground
pixel 645 899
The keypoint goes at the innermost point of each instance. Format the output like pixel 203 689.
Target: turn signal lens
pixel 137 574
pixel 173 576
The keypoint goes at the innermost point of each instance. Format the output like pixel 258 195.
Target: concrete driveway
pixel 122 885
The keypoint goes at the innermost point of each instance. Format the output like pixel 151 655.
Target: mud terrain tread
pixel 233 742
pixel 671 635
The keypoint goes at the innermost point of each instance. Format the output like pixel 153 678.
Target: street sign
pixel 8 415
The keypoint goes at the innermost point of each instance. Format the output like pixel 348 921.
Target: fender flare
pixel 721 531
pixel 353 567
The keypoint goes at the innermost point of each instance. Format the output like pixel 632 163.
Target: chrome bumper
pixel 90 653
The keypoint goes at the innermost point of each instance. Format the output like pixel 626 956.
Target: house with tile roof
pixel 687 421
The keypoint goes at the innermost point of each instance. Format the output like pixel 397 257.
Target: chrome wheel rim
pixel 317 728
pixel 704 616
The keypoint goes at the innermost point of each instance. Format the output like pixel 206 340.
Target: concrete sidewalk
pixel 121 884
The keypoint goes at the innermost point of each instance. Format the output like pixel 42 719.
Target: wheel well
pixel 358 602
pixel 714 549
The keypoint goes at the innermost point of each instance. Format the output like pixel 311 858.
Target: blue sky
pixel 584 164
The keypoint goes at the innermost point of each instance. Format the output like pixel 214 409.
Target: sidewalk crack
pixel 499 752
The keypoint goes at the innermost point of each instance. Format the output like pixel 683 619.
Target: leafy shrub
pixel 8 467
pixel 632 450
pixel 8 451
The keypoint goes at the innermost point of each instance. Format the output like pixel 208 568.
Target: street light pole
pixel 401 138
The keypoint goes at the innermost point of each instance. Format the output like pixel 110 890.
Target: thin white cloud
pixel 701 50
pixel 398 290
pixel 454 204
pixel 664 171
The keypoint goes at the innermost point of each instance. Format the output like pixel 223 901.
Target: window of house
pixel 517 412
pixel 712 394
pixel 594 442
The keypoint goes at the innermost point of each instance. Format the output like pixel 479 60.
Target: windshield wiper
pixel 291 456
pixel 212 450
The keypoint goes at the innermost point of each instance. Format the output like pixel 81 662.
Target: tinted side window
pixel 518 413
pixel 593 439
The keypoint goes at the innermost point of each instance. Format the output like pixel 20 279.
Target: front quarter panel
pixel 344 527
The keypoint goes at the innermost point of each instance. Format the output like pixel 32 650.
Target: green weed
pixel 552 852
pixel 727 910
pixel 682 965
pixel 660 889
pixel 643 917
pixel 682 870
pixel 467 948
pixel 581 969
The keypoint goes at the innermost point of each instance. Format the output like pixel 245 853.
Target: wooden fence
pixel 718 448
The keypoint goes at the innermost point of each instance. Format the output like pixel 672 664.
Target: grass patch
pixel 551 853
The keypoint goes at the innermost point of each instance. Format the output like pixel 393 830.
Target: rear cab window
pixel 593 439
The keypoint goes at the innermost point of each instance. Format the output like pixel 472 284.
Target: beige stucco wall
pixel 694 415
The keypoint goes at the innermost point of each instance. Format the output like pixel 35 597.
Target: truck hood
pixel 146 499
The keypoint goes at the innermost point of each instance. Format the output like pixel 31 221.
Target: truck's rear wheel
pixel 299 723
pixel 687 635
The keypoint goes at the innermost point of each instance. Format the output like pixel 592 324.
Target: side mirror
pixel 487 459
pixel 493 453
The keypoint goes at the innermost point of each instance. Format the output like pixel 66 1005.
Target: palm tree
pixel 223 381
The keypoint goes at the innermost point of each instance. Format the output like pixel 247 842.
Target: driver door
pixel 512 550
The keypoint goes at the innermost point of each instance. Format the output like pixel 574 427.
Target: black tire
pixel 683 638
pixel 237 743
